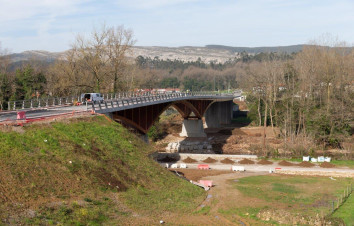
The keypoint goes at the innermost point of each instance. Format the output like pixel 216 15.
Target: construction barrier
pixel 207 183
pixel 203 166
pixel 21 115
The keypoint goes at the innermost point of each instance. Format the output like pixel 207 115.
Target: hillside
pixel 217 53
pixel 255 50
pixel 84 171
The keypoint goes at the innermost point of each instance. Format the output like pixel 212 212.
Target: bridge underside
pixel 142 118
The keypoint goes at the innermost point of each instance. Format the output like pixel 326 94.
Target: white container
pixel 183 166
pixel 174 166
pixel 306 158
pixel 321 159
pixel 313 160
pixel 238 168
pixel 327 159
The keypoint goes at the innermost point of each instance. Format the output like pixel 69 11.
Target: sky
pixel 52 25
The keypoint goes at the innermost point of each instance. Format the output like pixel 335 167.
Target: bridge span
pixel 141 110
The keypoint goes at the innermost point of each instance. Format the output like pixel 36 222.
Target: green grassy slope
pixel 304 195
pixel 74 172
pixel 346 211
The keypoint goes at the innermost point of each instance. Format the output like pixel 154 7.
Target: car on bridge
pixel 94 97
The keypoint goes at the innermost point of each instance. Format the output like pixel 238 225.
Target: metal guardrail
pixel 132 101
pixel 41 103
pixel 126 97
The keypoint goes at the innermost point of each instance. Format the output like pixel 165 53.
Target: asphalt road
pixel 38 113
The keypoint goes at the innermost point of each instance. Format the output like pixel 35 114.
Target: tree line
pixel 309 96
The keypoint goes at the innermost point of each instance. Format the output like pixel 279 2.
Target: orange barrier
pixel 206 183
pixel 21 115
pixel 203 166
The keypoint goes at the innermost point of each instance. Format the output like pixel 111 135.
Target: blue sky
pixel 52 24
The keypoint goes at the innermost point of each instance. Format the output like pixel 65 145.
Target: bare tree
pixel 95 63
pixel 119 43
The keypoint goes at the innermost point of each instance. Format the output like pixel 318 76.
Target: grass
pixel 203 211
pixel 248 212
pixel 93 213
pixel 287 159
pixel 298 194
pixel 348 163
pixel 83 160
pixel 346 211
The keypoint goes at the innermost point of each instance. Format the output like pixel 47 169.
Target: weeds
pixel 88 157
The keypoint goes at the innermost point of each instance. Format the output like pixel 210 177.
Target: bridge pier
pixel 219 113
pixel 192 128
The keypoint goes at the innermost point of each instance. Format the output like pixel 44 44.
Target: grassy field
pixel 339 163
pixel 298 195
pixel 84 171
pixel 346 211
pixel 348 163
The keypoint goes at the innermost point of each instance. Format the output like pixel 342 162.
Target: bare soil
pixel 209 160
pixel 327 165
pixel 285 163
pixel 306 164
pixel 246 161
pixel 227 161
pixel 264 162
pixel 189 160
pixel 195 174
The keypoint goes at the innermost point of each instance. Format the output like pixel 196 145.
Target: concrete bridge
pixel 142 110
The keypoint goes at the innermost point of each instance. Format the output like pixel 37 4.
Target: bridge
pixel 138 110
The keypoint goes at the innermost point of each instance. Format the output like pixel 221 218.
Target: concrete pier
pixel 219 113
pixel 192 128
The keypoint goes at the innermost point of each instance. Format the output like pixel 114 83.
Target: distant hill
pixel 214 53
pixel 255 50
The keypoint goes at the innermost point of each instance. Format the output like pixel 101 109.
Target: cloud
pixel 152 4
pixel 36 23
pixel 19 9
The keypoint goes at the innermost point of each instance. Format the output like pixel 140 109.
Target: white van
pixel 94 97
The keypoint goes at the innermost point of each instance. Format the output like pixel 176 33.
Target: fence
pixel 62 101
pixel 40 103
pixel 343 197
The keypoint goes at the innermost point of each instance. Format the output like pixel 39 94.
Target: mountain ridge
pixel 208 53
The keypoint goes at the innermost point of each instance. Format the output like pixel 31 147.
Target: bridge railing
pixel 124 101
pixel 108 97
pixel 42 103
